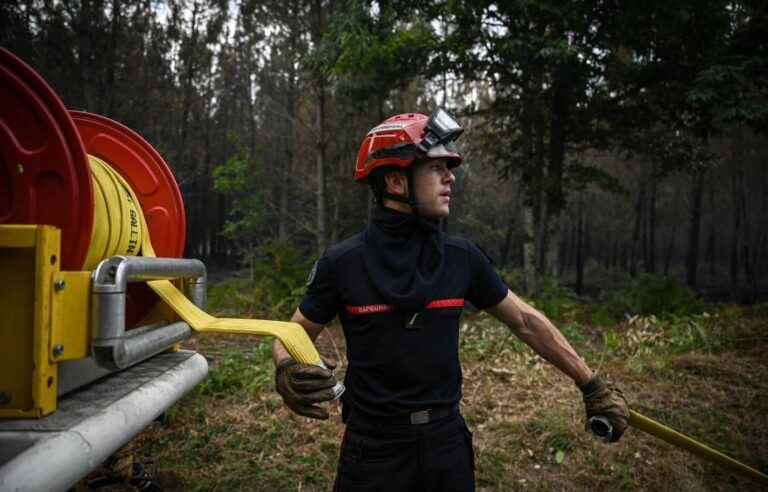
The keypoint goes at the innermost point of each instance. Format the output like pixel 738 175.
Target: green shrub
pixel 231 297
pixel 651 295
pixel 279 274
pixel 760 310
pixel 558 303
pixel 276 285
pixel 514 278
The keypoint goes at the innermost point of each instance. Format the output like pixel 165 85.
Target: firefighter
pixel 399 288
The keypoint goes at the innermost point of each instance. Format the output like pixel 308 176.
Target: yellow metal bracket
pixel 70 301
pixel 29 261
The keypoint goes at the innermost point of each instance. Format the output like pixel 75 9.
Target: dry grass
pixel 525 416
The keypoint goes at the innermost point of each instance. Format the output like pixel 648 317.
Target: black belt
pixel 414 418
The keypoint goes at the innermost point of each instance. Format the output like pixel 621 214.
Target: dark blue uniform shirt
pixel 398 364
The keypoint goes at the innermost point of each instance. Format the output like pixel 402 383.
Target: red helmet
pixel 404 138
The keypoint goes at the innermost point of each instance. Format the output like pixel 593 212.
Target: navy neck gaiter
pixel 404 257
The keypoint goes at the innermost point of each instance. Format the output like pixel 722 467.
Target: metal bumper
pixel 53 453
pixel 113 348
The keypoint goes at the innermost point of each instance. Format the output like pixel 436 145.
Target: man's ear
pixel 396 183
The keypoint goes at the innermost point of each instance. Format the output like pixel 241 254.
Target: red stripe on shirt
pixel 384 308
pixel 445 303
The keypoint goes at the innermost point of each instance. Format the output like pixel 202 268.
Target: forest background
pixel 603 139
pixel 614 170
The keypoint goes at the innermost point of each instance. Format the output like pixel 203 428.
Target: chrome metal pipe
pixel 113 348
pixel 138 344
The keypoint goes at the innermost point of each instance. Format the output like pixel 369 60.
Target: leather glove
pixel 601 400
pixel 304 385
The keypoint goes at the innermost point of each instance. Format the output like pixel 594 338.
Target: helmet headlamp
pixel 441 128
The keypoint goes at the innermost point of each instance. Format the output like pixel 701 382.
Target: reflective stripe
pixel 384 308
pixel 445 303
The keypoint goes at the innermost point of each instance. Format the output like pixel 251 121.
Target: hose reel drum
pixel 48 176
pixel 81 196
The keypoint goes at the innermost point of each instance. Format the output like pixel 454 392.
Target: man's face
pixel 432 181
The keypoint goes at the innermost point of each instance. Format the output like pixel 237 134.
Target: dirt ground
pixel 526 417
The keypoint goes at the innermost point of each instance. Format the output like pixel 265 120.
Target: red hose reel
pixel 45 176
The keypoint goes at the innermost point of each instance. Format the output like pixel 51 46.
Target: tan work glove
pixel 601 400
pixel 304 385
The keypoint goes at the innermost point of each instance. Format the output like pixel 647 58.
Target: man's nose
pixel 449 177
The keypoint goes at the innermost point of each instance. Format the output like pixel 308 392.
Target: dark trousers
pixel 436 456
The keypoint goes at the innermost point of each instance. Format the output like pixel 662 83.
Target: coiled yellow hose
pixel 119 228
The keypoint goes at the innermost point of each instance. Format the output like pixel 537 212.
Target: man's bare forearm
pixel 533 328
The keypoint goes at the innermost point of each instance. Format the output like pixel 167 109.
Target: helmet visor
pixel 446 150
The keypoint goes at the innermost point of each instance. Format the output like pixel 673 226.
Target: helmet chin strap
pixel 409 200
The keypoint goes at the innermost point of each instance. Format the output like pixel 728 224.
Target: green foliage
pixel 574 332
pixel 578 176
pixel 650 295
pixel 556 301
pixel 238 179
pixel 376 53
pixel 760 310
pixel 279 274
pixel 278 278
pixel 239 372
pixel 642 342
pixel 514 278
pixel 484 338
pixel 230 297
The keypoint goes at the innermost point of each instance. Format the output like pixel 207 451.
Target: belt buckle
pixel 420 417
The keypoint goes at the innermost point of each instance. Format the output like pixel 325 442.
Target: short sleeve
pixel 321 299
pixel 486 288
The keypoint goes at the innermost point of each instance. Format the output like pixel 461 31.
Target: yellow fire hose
pixel 602 428
pixel 120 229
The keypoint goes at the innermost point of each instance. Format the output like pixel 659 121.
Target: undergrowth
pixel 692 366
pixel 274 287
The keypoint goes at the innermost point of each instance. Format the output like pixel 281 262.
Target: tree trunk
pixel 541 221
pixel 573 243
pixel 625 257
pixel 114 39
pixel 561 104
pixel 669 253
pixel 553 248
pixel 650 266
pixel 529 250
pixel 746 255
pixel 636 234
pixel 507 244
pixel 286 183
pixel 320 165
pixel 711 253
pixel 692 261
pixel 736 235
pixel 191 65
pixel 85 54
pixel 644 239
pixel 529 185
pixel 562 251
pixel 761 255
pixel 580 249
pixel 320 169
